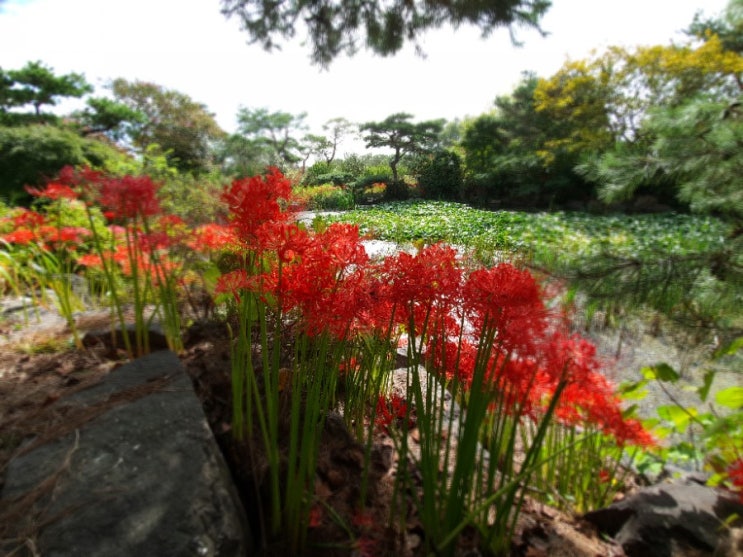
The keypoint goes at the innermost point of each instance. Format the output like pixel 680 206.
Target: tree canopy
pixel 35 86
pixel 404 137
pixel 182 127
pixel 334 27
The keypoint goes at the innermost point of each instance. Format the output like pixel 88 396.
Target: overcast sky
pixel 190 47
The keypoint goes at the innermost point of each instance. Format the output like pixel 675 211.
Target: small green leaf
pixel 729 349
pixel 703 391
pixel 630 411
pixel 732 397
pixel 661 372
pixel 633 390
pixel 678 416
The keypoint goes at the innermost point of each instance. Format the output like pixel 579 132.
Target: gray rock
pixel 115 339
pixel 670 519
pixel 143 477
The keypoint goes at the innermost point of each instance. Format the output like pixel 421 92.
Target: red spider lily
pixel 391 411
pixel 321 276
pixel 735 475
pixel 90 260
pixel 454 360
pixel 168 222
pixel 316 516
pixel 257 200
pixel 429 281
pixel 509 301
pixel 153 241
pixel 70 176
pixel 28 218
pixel 212 237
pixel 120 197
pixel 53 191
pixel 233 283
pixel 593 401
pixel 286 240
pixel 128 197
pixel 65 234
pixel 21 236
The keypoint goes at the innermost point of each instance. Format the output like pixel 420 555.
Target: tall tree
pixel 698 145
pixel 606 99
pixel 508 154
pixel 334 27
pixel 113 119
pixel 337 129
pixel 404 137
pixel 276 136
pixel 728 27
pixel 35 86
pixel 182 127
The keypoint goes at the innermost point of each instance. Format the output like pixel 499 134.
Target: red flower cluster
pixel 126 197
pixel 255 201
pixel 53 191
pixel 391 412
pixel 212 237
pixel 32 227
pixel 508 301
pixel 129 197
pixel 327 282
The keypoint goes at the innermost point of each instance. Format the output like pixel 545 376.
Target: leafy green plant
pixel 325 197
pixel 441 176
pixel 668 262
pixel 709 437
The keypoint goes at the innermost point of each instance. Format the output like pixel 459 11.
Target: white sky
pixel 190 47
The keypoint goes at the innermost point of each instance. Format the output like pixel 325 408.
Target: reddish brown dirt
pixel 31 381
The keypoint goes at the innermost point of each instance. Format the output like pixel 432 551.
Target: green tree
pixel 340 26
pixel 337 129
pixel 504 150
pixel 35 86
pixel 698 146
pixel 605 100
pixel 728 27
pixel 441 176
pixel 185 130
pixel 270 137
pixel 108 117
pixel 404 137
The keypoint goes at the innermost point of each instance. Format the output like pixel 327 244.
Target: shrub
pixel 397 191
pixel 325 197
pixel 441 176
pixel 30 155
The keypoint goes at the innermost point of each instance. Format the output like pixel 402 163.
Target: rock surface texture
pixel 135 472
pixel 673 519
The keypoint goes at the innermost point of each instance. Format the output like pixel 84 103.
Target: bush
pixel 327 197
pixel 441 176
pixel 397 191
pixel 30 155
pixel 371 188
pixel 478 188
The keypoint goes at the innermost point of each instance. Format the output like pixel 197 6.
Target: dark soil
pixel 37 368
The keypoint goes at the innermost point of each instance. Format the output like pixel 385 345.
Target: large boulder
pixel 671 520
pixel 135 472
